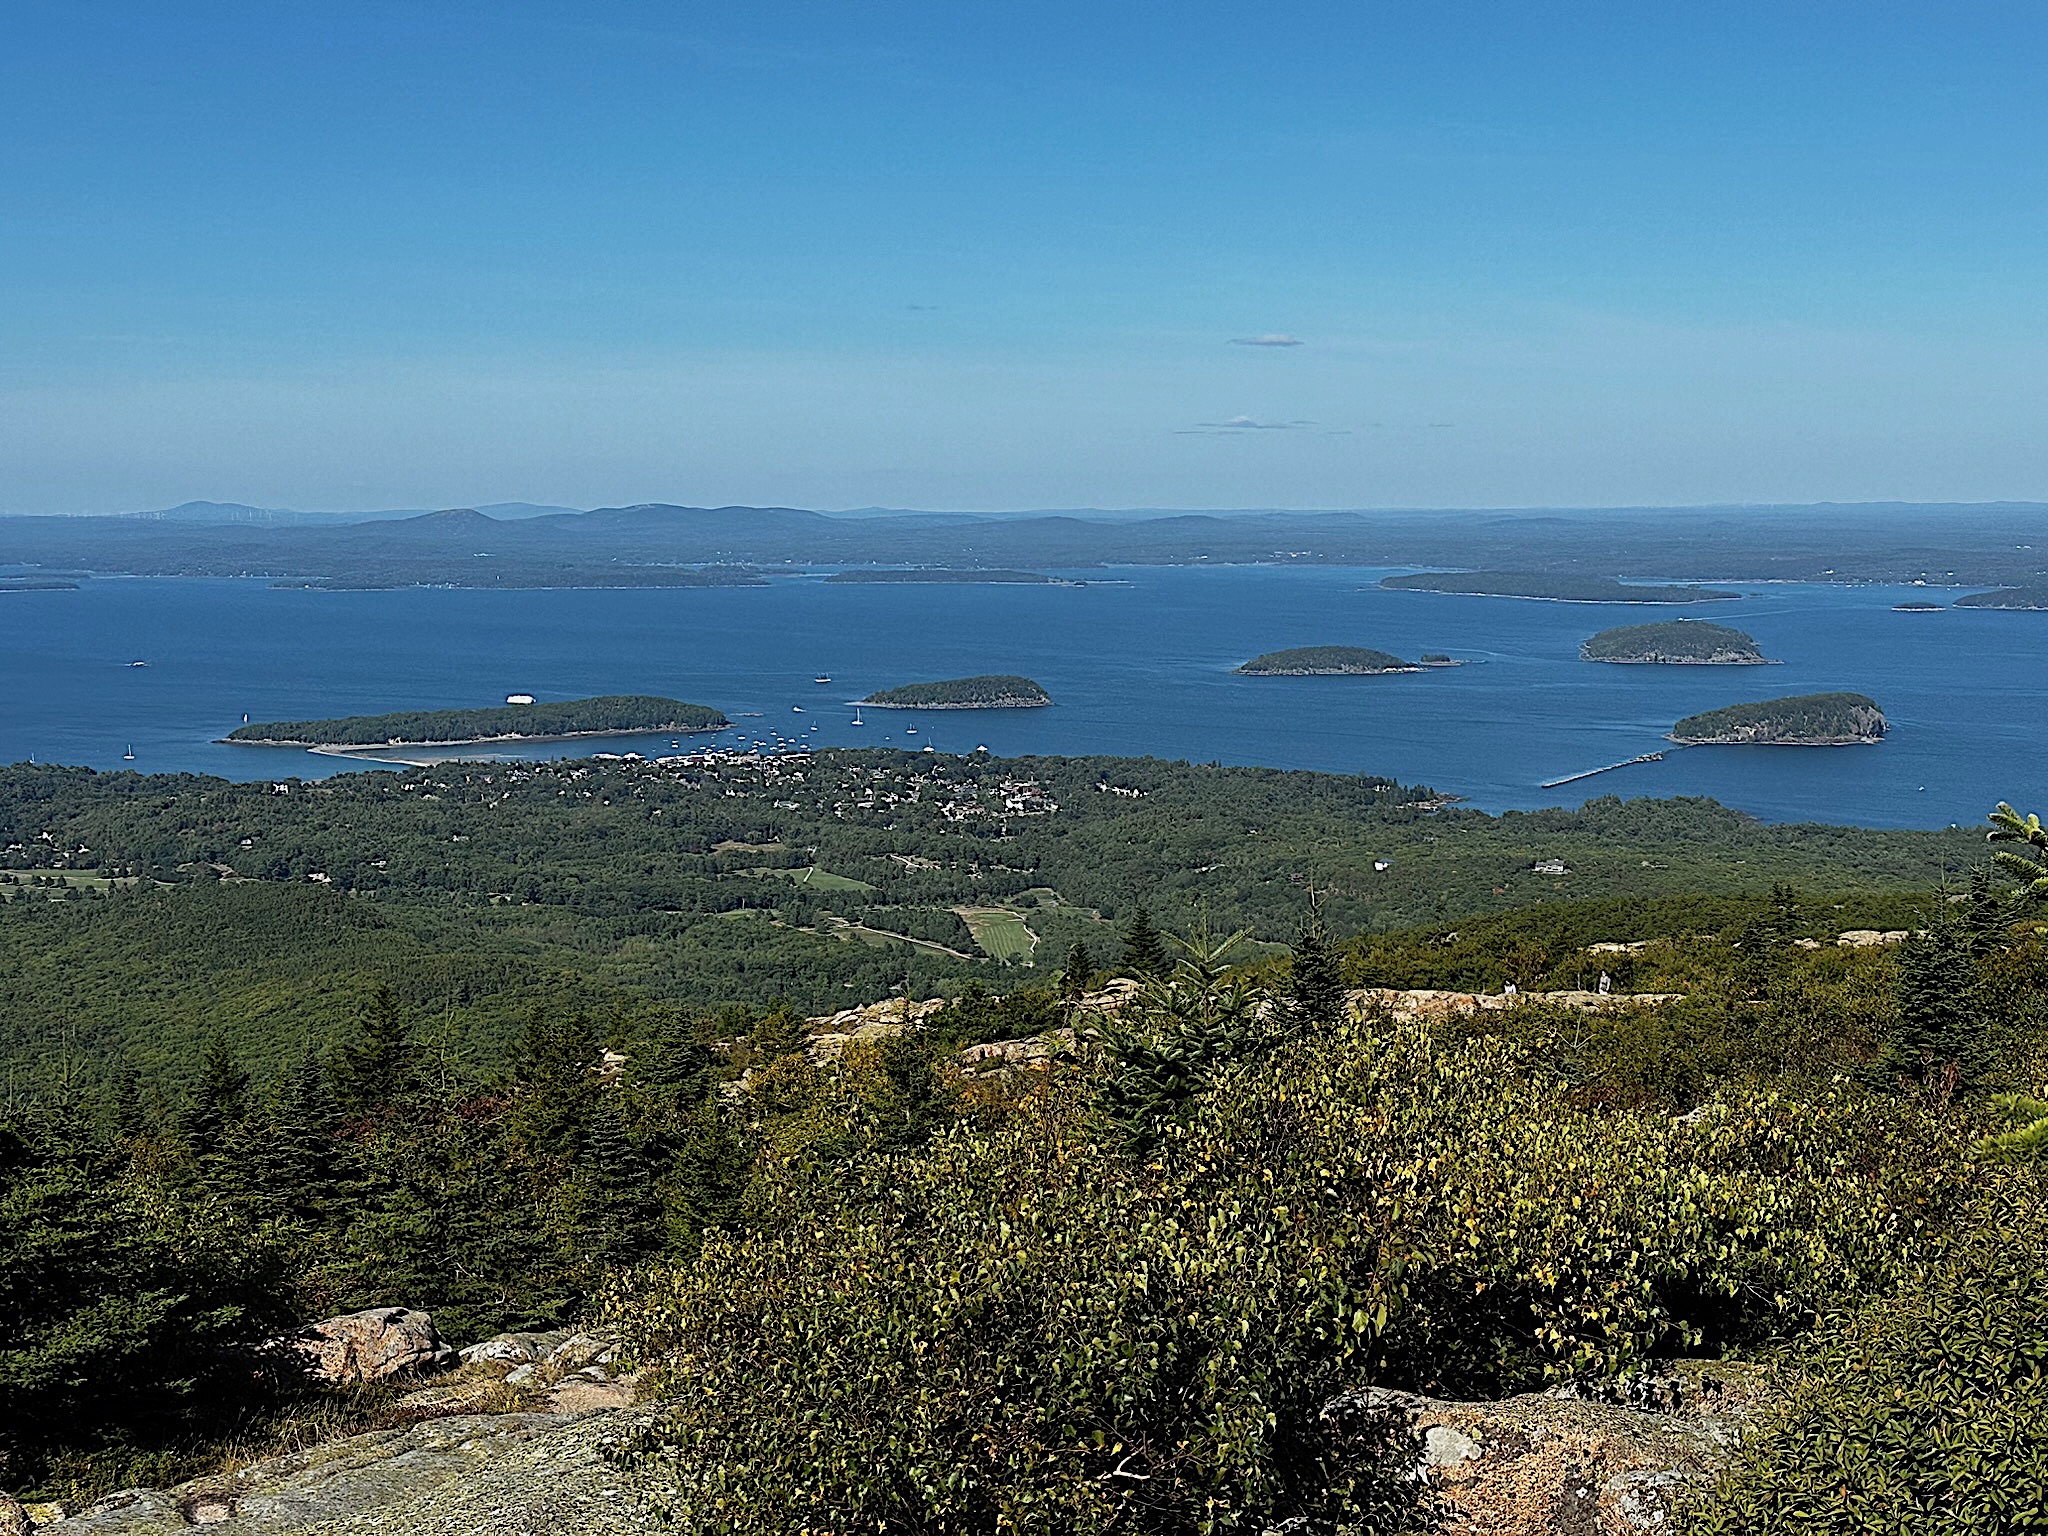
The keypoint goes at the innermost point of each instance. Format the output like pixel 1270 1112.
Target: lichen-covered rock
pixel 517 1474
pixel 374 1344
pixel 13 1518
pixel 517 1348
pixel 1601 1461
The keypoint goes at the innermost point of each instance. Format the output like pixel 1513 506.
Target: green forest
pixel 526 1045
pixel 1310 660
pixel 1681 640
pixel 620 713
pixel 995 691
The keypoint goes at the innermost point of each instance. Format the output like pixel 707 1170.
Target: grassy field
pixel 1002 934
pixel 816 878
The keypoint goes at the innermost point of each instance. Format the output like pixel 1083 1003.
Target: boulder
pixel 516 1348
pixel 374 1344
pixel 1602 1461
pixel 13 1518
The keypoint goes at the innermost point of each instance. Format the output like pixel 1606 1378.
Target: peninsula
pixel 1326 661
pixel 1807 720
pixel 1001 691
pixel 1550 587
pixel 1676 643
pixel 938 575
pixel 611 715
pixel 2028 598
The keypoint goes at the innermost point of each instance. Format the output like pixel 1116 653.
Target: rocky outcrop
pixel 1605 1461
pixel 515 1474
pixel 1428 1003
pixel 833 1033
pixel 372 1345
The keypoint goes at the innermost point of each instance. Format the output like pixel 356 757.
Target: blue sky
pixel 375 253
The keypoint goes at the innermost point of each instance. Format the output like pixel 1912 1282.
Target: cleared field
pixel 1002 934
pixel 816 878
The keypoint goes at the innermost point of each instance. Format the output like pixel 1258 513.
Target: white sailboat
pixel 856 716
pixel 128 756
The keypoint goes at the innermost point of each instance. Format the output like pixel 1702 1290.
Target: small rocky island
pixel 999 691
pixel 1678 643
pixel 618 714
pixel 1329 661
pixel 1807 720
pixel 947 575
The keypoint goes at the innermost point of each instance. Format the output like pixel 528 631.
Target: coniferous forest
pixel 531 1046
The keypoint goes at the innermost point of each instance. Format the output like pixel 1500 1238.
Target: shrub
pixel 1924 1411
pixel 1038 1324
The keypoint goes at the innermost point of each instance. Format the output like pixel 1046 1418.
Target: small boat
pixel 128 756
pixel 910 730
pixel 796 709
pixel 821 678
pixel 856 716
pixel 138 663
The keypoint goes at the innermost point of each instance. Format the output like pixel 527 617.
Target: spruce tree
pixel 554 1084
pixel 1938 1030
pixel 615 1201
pixel 1143 954
pixel 296 1162
pixel 1314 994
pixel 219 1101
pixel 373 1069
pixel 1079 972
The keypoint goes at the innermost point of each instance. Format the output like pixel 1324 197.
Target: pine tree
pixel 1314 995
pixel 1079 972
pixel 554 1084
pixel 1938 1043
pixel 711 1172
pixel 219 1101
pixel 616 1205
pixel 782 1031
pixel 1143 954
pixel 296 1162
pixel 373 1070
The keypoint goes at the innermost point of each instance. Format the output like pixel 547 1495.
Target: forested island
pixel 2031 598
pixel 997 691
pixel 1918 607
pixel 949 576
pixel 1805 720
pixel 618 714
pixel 1678 643
pixel 1328 661
pixel 37 584
pixel 1550 587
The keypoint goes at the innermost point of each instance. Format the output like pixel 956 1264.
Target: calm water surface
pixel 1140 664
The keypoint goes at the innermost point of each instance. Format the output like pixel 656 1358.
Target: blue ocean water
pixel 1139 663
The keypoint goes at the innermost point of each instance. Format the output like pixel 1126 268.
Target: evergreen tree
pixel 1984 918
pixel 219 1101
pixel 554 1084
pixel 711 1172
pixel 1938 1041
pixel 374 1069
pixel 615 1200
pixel 296 1161
pixel 1143 954
pixel 1080 970
pixel 1314 994
pixel 781 1031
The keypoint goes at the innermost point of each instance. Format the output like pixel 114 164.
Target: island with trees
pixel 1327 661
pixel 1806 720
pixel 938 575
pixel 996 691
pixel 1550 587
pixel 621 714
pixel 2028 598
pixel 1677 643
pixel 1920 607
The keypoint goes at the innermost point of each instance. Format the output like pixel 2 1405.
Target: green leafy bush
pixel 1041 1323
pixel 1925 1411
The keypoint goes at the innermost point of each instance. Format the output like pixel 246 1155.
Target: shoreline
pixel 1340 671
pixel 1680 661
pixel 978 704
pixel 1744 741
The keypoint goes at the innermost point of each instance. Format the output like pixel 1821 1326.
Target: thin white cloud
pixel 1270 339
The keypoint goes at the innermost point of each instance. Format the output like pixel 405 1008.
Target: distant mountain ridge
pixel 513 544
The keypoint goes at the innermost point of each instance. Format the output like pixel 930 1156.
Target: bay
pixel 1138 660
